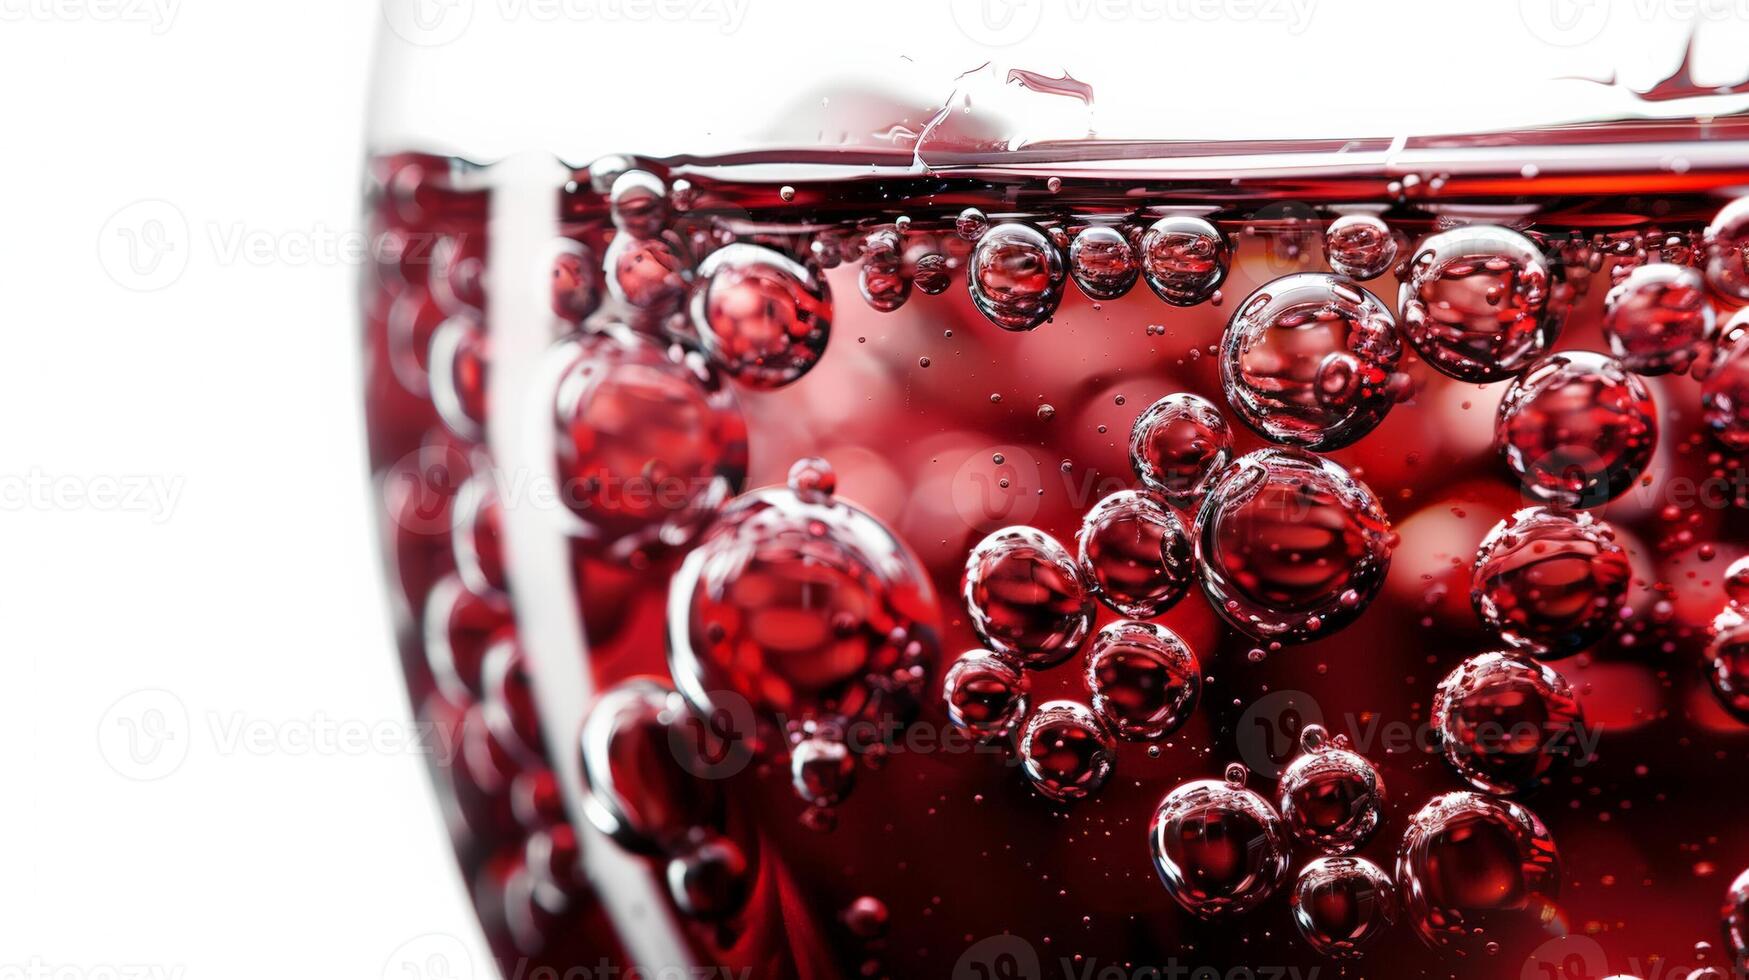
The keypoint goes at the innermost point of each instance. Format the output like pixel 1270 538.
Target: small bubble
pixel 787 192
pixel 1047 412
pixel 971 224
pixel 923 362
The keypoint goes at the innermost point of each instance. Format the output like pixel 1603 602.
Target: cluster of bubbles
pixel 1017 271
pixel 1222 849
pixel 1033 606
pixel 811 615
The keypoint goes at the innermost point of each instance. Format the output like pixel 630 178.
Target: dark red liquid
pixel 944 420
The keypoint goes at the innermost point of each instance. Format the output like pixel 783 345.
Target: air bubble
pixel 1577 429
pixel 1136 553
pixel 1065 753
pixel 1184 259
pixel 822 770
pixel 971 224
pixel 1658 320
pixel 1332 798
pixel 1360 246
pixel 641 768
pixel 646 448
pixel 639 203
pixel 1727 251
pixel 649 274
pixel 1281 536
pixel 1306 361
pixel 761 317
pixel 1478 303
pixel 813 480
pixel 1144 679
pixel 1178 445
pixel 1548 583
pixel 1220 849
pixel 1027 597
pixel 1102 263
pixel 1016 275
pixel 803 610
pixel 1474 869
pixel 985 695
pixel 1727 662
pixel 1506 722
pixel 1342 905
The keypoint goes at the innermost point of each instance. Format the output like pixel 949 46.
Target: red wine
pixel 835 566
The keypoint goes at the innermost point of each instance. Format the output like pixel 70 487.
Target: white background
pixel 183 504
pixel 253 598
